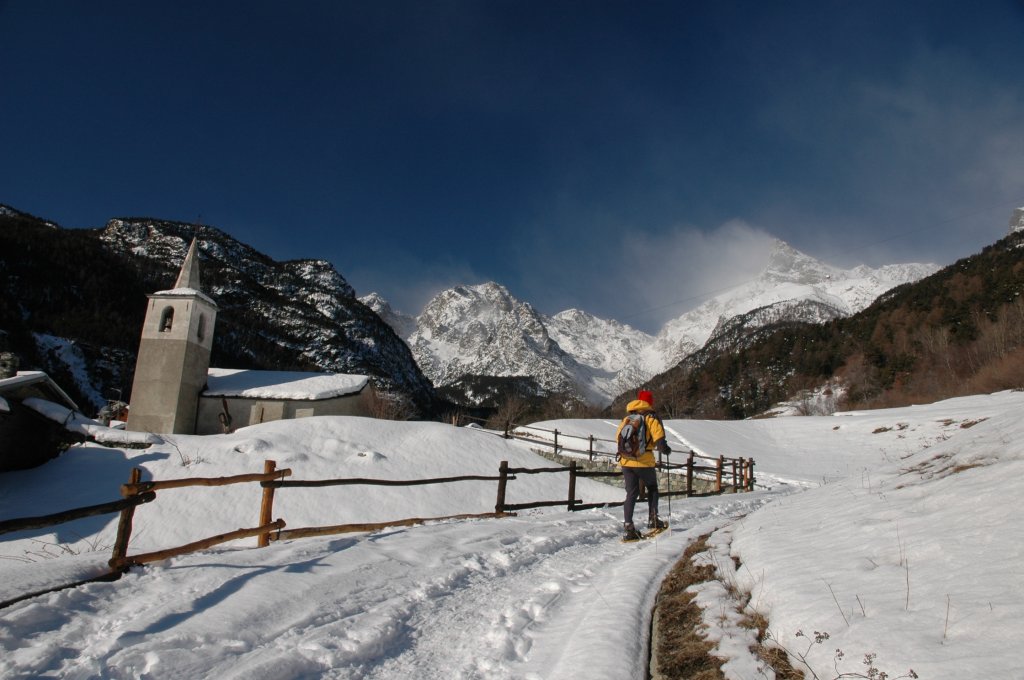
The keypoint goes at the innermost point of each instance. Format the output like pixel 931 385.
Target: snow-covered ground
pixel 893 531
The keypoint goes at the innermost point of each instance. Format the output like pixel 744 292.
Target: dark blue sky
pixel 620 157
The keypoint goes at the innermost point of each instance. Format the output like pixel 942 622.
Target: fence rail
pixel 56 518
pixel 373 482
pixel 522 433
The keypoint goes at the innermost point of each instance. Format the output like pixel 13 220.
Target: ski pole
pixel 668 486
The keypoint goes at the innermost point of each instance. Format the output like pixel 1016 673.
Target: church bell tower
pixel 174 355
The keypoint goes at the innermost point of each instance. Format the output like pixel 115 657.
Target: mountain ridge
pixel 597 359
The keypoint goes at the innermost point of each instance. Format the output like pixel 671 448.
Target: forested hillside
pixel 65 284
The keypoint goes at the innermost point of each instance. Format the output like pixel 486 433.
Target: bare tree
pixel 388 405
pixel 509 411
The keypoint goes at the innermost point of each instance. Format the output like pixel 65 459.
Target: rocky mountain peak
pixel 787 264
pixel 402 323
pixel 484 330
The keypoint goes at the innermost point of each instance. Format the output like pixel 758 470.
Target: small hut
pixel 27 437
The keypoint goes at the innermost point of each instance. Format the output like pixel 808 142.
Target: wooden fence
pixel 137 492
pixel 722 472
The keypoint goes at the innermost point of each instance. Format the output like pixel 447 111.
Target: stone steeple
pixel 189 275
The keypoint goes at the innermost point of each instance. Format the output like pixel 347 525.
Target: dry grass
pixel 940 466
pixel 682 652
pixel 773 657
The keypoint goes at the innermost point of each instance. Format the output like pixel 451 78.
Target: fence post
pixel 590 449
pixel 124 525
pixel 735 476
pixel 502 483
pixel 750 477
pixel 556 443
pixel 742 483
pixel 718 473
pixel 267 505
pixel 689 474
pixel 572 484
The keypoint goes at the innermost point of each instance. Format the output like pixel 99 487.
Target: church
pixel 176 391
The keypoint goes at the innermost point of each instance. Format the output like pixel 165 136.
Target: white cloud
pixel 688 265
pixel 645 278
pixel 408 282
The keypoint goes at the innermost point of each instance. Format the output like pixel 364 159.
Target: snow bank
pixel 920 563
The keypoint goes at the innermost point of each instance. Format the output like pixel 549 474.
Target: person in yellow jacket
pixel 640 469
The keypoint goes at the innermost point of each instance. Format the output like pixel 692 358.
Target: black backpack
pixel 632 439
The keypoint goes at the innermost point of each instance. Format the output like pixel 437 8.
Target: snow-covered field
pixel 893 531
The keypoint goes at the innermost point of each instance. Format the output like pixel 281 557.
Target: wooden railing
pixel 137 492
pixel 135 487
pixel 270 486
pixel 723 471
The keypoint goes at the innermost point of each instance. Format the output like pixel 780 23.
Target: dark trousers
pixel 635 477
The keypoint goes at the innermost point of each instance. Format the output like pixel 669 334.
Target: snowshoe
pixel 657 523
pixel 631 535
pixel 651 533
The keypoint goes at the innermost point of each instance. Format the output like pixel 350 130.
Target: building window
pixel 166 319
pixel 201 328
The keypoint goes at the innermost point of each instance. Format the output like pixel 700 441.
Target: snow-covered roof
pixel 184 292
pixel 23 378
pixel 26 378
pixel 230 382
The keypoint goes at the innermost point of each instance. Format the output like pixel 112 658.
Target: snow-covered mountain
pixel 483 330
pixel 612 357
pixel 789 279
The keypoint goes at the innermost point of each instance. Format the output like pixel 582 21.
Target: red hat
pixel 645 395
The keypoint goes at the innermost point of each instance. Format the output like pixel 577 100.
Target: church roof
pixel 295 385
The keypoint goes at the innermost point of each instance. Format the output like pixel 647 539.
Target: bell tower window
pixel 166 319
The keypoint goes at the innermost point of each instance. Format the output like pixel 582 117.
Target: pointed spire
pixel 189 276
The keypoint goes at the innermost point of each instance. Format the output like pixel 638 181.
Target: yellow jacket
pixel 655 435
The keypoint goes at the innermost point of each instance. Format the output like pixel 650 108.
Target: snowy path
pixel 453 600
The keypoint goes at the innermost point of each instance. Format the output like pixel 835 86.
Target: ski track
pixel 507 581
